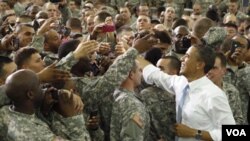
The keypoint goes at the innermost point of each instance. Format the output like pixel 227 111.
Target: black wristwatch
pixel 198 135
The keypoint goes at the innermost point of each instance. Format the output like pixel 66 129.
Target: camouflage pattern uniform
pixel 105 109
pixel 204 4
pixel 49 57
pixel 233 97
pixel 97 91
pixel 215 36
pixel 130 119
pixel 119 3
pixel 161 106
pixel 238 77
pixel 67 62
pixel 243 85
pixel 38 42
pixel 239 15
pixel 23 127
pixel 179 8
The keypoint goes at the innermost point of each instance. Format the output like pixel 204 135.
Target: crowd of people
pixel 114 70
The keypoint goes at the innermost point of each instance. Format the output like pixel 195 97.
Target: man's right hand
pixel 6 42
pixel 144 41
pixel 51 74
pixel 46 26
pixel 85 48
pixel 69 104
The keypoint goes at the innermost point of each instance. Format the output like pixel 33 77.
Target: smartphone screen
pixel 108 28
pixel 15 43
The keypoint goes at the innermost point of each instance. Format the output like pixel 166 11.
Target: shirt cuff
pixel 216 134
pixel 147 71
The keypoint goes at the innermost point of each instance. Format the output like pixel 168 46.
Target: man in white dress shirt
pixel 205 108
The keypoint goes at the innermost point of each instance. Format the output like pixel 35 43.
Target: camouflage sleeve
pixel 246 79
pixel 113 2
pixel 66 14
pixel 67 62
pixel 106 84
pixel 72 128
pixel 126 123
pixel 234 102
pixel 38 42
pixel 132 132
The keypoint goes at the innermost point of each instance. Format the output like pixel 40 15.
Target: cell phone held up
pixel 15 43
pixel 108 28
pixel 235 45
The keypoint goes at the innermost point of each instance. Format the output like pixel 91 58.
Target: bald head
pixel 19 84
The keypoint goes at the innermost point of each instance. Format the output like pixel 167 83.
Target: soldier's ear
pixel 46 46
pixel 130 75
pixel 30 95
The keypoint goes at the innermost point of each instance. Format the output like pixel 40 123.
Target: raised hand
pixel 69 104
pixel 84 49
pixel 46 26
pixel 144 41
pixel 120 48
pixel 104 48
pixel 51 74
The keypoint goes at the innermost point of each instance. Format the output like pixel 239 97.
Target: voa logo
pixel 236 132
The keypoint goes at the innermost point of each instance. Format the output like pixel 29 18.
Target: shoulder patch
pixel 138 120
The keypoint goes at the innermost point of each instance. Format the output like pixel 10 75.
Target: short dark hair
pixel 67 47
pixel 213 15
pixel 154 21
pixel 206 55
pixel 103 15
pixel 74 23
pixel 82 66
pixel 230 24
pixel 23 54
pixel 222 58
pixel 175 63
pixel 153 55
pixel 4 60
pixel 179 22
pixel 163 36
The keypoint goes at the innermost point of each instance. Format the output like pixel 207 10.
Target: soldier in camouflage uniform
pixel 161 104
pixel 178 49
pixel 233 8
pixel 216 75
pixel 234 101
pixel 243 83
pixel 130 119
pixel 94 90
pixel 52 42
pixel 20 122
pixel 237 70
pixel 98 90
pixel 204 4
pixel 120 3
pixel 180 5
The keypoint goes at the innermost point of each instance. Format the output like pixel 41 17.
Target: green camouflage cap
pixel 215 36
